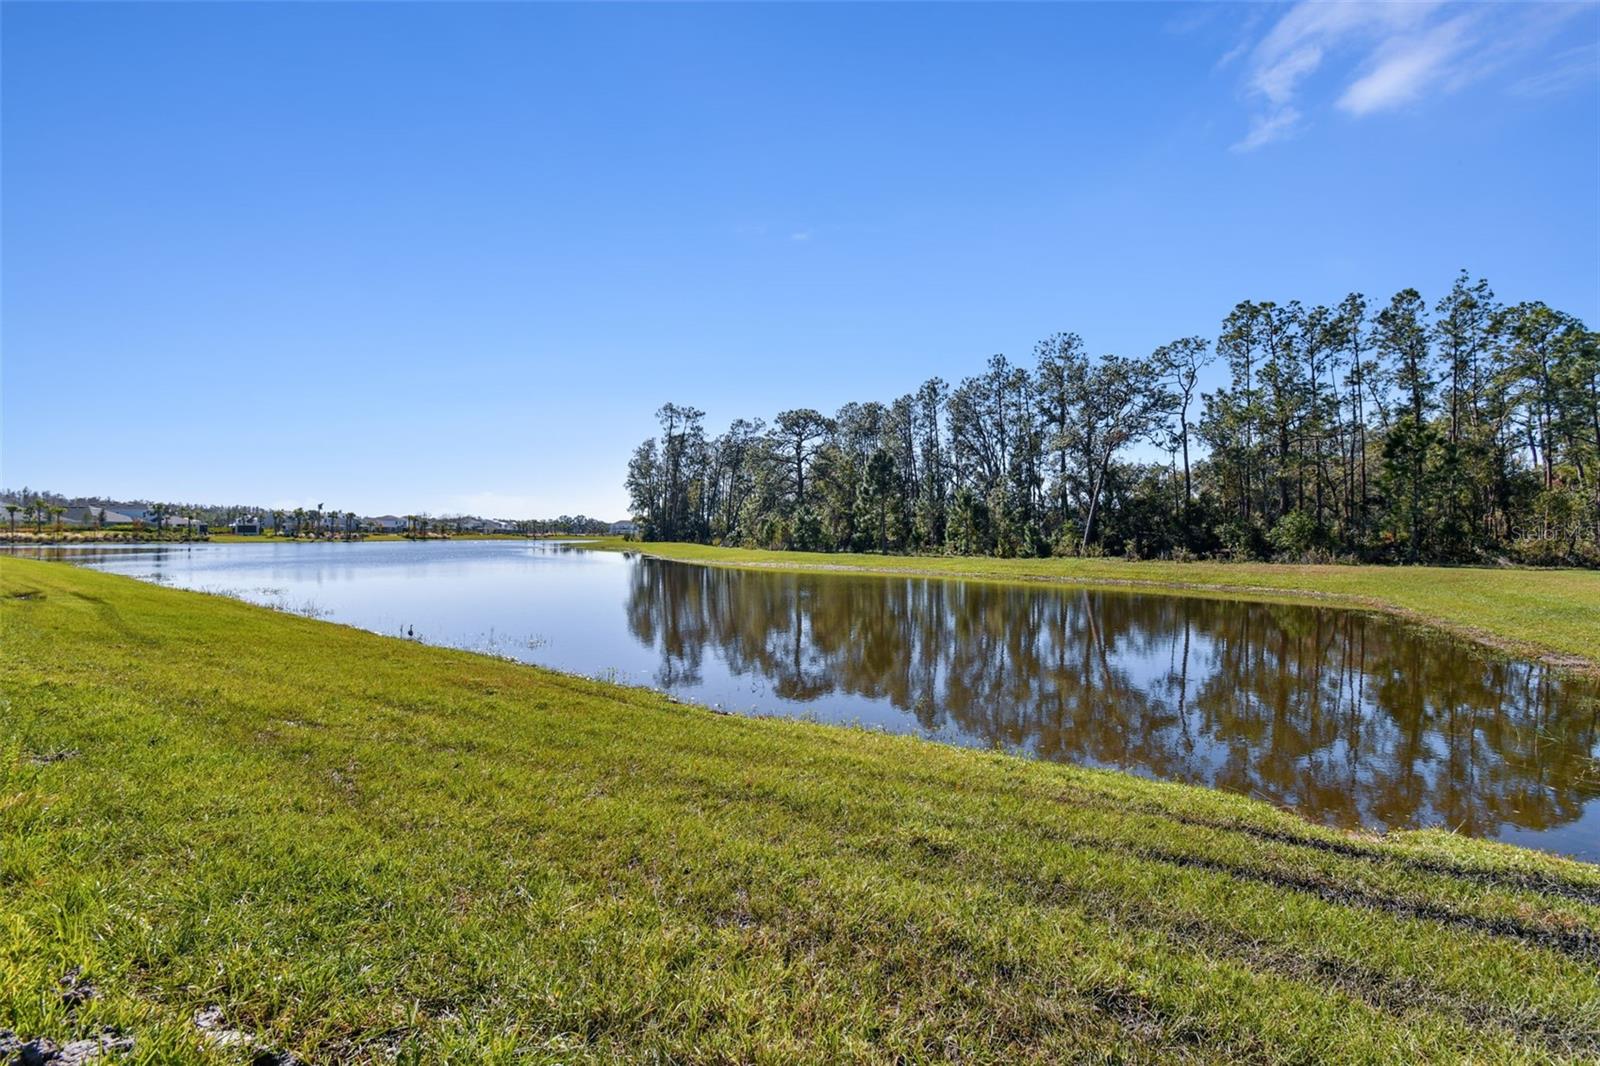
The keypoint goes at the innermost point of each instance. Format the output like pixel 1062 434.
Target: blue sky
pixel 452 257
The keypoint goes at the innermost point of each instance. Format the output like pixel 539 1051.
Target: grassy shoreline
pixel 1549 615
pixel 359 847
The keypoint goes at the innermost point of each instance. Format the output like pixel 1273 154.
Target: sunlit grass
pixel 360 847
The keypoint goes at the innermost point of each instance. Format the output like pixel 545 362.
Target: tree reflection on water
pixel 1351 718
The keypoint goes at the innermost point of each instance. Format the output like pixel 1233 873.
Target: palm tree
pixel 11 511
pixel 277 522
pixel 38 514
pixel 56 511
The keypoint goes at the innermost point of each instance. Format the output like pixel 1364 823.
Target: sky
pixel 451 257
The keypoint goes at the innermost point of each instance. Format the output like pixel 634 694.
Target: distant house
pixel 90 516
pixel 494 525
pixel 387 523
pixel 624 529
pixel 249 526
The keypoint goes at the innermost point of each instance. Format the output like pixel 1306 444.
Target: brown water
pixel 1350 718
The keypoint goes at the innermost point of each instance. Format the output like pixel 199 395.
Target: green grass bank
pixel 1553 615
pixel 363 849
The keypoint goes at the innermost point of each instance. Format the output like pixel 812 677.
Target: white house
pixel 387 523
pixel 624 529
pixel 90 516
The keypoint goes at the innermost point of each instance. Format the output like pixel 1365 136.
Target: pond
pixel 1353 719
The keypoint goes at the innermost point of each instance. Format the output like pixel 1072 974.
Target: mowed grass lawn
pixel 1550 614
pixel 361 848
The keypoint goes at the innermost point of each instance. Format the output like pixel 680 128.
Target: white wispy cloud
pixel 1404 68
pixel 1272 126
pixel 1569 70
pixel 1384 55
pixel 1232 55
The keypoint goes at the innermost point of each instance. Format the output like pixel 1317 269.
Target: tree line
pixel 1390 432
pixel 34 506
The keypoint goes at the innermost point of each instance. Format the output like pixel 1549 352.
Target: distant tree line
pixel 566 524
pixel 1397 432
pixel 36 506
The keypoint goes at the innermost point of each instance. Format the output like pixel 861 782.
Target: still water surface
pixel 1351 718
